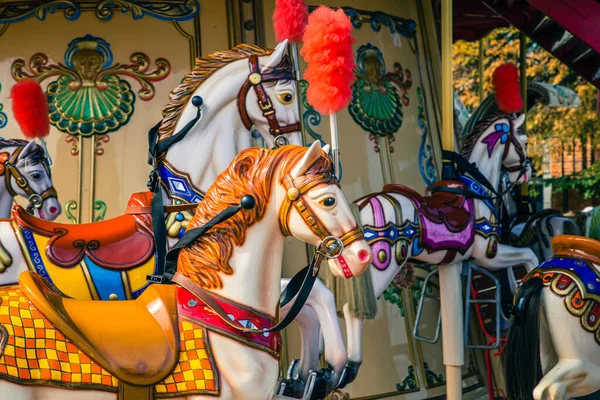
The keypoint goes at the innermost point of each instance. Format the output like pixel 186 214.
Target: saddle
pixel 137 341
pixel 577 246
pixel 119 244
pixel 441 207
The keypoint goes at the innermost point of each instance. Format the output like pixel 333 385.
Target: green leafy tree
pixel 547 128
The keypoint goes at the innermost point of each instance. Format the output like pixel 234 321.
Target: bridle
pixel 36 201
pixel 523 161
pixel 255 80
pixel 295 197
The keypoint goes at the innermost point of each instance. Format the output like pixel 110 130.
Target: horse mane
pixel 473 136
pixel 34 158
pixel 251 172
pixel 204 67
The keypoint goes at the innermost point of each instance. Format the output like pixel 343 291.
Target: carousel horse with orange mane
pixel 211 333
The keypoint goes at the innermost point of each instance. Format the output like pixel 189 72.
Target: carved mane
pixel 203 69
pixel 251 172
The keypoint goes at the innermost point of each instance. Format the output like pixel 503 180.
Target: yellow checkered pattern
pixel 195 370
pixel 37 352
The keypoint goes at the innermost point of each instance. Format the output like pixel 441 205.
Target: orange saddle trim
pixel 119 244
pixel 577 246
pixel 137 341
pixel 441 207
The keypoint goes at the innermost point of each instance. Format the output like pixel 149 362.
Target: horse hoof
pixel 323 384
pixel 349 373
pixel 293 388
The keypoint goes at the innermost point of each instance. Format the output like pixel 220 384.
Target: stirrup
pixel 308 387
pixel 424 295
pixel 469 301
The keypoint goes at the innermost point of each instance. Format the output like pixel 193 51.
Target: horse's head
pixel 27 174
pixel 500 137
pixel 314 209
pixel 296 195
pixel 271 102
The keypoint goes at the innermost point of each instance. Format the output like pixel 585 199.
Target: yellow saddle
pixel 135 340
pixel 577 246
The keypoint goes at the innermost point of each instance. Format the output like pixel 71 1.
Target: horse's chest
pixel 578 283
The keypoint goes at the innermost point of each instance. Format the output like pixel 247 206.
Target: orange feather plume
pixel 328 51
pixel 30 108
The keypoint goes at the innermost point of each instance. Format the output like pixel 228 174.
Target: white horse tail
pixel 523 363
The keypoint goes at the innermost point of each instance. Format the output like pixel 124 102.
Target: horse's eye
pixel 328 202
pixel 36 176
pixel 286 98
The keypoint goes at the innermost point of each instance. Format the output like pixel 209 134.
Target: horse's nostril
pixel 53 210
pixel 363 255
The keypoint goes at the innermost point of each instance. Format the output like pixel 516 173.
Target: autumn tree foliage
pixel 553 129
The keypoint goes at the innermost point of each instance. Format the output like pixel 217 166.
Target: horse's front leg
pixel 354 336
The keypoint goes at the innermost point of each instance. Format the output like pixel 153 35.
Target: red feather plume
pixel 508 90
pixel 289 19
pixel 30 108
pixel 328 51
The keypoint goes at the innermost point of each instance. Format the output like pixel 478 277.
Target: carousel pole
pixel 523 76
pixel 450 275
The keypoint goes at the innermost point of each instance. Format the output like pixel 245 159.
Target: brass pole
pixel 481 70
pixel 523 76
pixel 447 101
pixel 450 280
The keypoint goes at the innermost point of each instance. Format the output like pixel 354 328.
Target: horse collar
pixel 191 307
pixel 255 80
pixel 178 184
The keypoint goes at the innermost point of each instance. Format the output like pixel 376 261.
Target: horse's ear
pixel 326 149
pixel 518 122
pixel 29 149
pixel 311 156
pixel 276 57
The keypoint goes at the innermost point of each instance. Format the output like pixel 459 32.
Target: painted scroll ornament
pixel 89 97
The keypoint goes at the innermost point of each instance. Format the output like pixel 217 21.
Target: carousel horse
pixel 27 174
pixel 211 333
pixel 552 346
pixel 538 231
pixel 447 228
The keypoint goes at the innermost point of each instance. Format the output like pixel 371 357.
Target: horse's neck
pixel 220 135
pixel 255 281
pixel 6 200
pixel 490 167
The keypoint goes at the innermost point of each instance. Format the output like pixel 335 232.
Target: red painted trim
pixel 580 17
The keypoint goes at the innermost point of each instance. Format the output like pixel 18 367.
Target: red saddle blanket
pixel 119 244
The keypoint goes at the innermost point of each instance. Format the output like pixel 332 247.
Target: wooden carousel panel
pixel 107 69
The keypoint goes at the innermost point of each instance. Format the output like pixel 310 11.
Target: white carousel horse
pixel 226 293
pixel 552 349
pixel 24 171
pixel 239 88
pixel 400 224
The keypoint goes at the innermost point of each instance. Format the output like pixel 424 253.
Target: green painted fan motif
pixel 88 96
pixel 378 96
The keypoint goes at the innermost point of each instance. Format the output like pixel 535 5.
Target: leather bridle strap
pixel 295 197
pixel 13 172
pixel 255 80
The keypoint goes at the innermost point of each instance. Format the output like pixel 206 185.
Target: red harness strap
pixel 190 307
